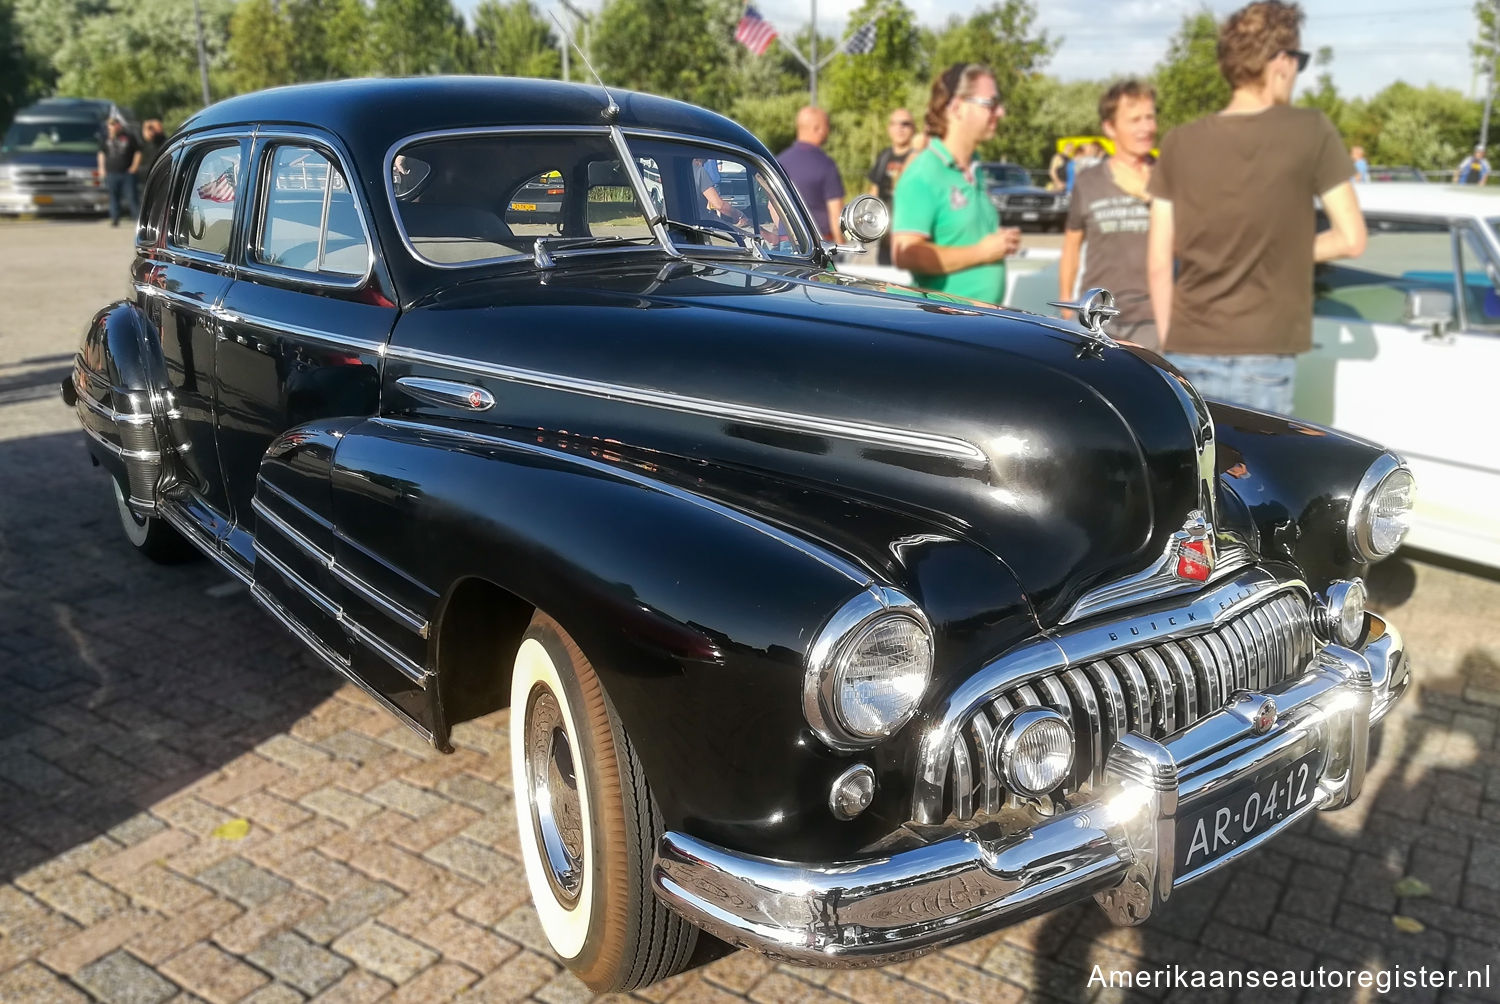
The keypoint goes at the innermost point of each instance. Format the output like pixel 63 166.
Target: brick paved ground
pixel 190 808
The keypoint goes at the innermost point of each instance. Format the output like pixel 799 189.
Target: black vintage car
pixel 837 619
pixel 1020 201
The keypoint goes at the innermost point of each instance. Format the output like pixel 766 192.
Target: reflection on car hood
pixel 1070 463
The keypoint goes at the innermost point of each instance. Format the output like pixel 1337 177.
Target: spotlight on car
pixel 1034 751
pixel 852 792
pixel 1342 615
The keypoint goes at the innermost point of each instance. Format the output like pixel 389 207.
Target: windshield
pixel 1007 175
pixel 471 199
pixel 52 137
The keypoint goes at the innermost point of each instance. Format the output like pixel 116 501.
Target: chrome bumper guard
pixel 1120 847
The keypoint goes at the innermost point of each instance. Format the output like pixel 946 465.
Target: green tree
pixel 260 48
pixel 330 38
pixel 1003 36
pixel 878 80
pixel 43 28
pixel 515 40
pixel 1325 96
pixel 1429 128
pixel 411 37
pixel 677 48
pixel 17 73
pixel 145 57
pixel 1188 82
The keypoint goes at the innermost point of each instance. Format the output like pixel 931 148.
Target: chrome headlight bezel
pixel 826 659
pixel 1341 616
pixel 1360 531
pixel 1008 739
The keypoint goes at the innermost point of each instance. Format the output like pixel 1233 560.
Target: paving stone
pixel 407 798
pixel 265 809
pixel 78 950
pixel 466 943
pixel 450 819
pixel 348 911
pixel 336 803
pixel 136 828
pixel 470 859
pixel 296 961
pixel 153 849
pixel 213 975
pixel 243 882
pixel 85 899
pixel 384 952
pixel 315 873
pixel 411 914
pixel 121 979
pixel 354 746
pixel 515 980
pixel 477 794
pixel 260 922
pixel 439 983
pixel 31 983
pixel 161 941
pixel 356 987
pixel 275 993
pixel 17 909
pixel 161 890
pixel 290 753
pixel 955 981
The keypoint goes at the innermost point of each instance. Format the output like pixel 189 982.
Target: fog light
pixel 852 792
pixel 1034 751
pixel 1343 613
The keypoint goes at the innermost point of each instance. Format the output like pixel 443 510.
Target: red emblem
pixel 476 399
pixel 1265 717
pixel 1194 560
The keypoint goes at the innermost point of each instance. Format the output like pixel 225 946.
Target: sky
pixel 1375 42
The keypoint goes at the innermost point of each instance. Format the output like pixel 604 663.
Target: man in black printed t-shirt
pixel 119 159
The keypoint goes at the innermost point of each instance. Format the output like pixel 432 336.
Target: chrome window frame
pixel 605 131
pixel 264 146
pixel 190 149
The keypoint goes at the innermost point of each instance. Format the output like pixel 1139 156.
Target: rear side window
pixel 309 220
pixel 153 203
pixel 206 216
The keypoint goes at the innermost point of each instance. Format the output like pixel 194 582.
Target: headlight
pixel 81 172
pixel 1380 509
pixel 867 670
pixel 1034 751
pixel 1342 616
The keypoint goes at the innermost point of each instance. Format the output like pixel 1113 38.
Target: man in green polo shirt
pixel 944 229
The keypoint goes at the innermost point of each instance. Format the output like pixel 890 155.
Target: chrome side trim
pixel 146 289
pixel 447 393
pixel 311 334
pixel 367 592
pixel 104 411
pixel 823 557
pixel 317 596
pixel 196 536
pixel 334 661
pixel 927 444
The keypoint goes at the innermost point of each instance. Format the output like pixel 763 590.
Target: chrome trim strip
pixel 825 558
pixel 300 507
pixel 352 627
pixel 395 611
pixel 333 659
pixel 447 393
pixel 146 289
pixel 196 536
pixel 311 334
pixel 927 444
pixel 264 512
pixel 102 410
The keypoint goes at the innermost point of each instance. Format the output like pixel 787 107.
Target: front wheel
pixel 151 535
pixel 588 822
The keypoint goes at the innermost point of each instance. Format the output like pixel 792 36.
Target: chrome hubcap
pixel 552 783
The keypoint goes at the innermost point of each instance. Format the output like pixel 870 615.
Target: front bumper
pixel 1119 848
pixel 60 201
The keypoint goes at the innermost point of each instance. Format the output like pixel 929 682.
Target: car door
pixel 1418 385
pixel 303 330
pixel 179 284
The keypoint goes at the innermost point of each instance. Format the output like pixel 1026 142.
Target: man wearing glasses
pixel 945 230
pixel 1233 209
pixel 902 129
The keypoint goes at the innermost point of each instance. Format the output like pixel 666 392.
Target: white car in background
pixel 1406 352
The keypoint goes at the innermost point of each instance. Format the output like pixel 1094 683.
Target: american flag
pixel 221 189
pixel 862 41
pixel 754 31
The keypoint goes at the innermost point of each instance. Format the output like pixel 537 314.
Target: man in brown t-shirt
pixel 1233 204
pixel 1109 214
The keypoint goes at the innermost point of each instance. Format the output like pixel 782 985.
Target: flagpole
pixel 812 63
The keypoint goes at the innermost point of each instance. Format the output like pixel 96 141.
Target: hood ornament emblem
pixel 1095 309
pixel 1194 548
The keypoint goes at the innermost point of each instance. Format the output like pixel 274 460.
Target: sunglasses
pixel 988 103
pixel 904 124
pixel 1299 55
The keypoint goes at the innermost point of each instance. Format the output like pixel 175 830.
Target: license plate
pixel 1247 810
pixel 1031 216
pixel 524 207
pixel 42 200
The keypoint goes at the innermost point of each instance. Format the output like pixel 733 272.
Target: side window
pixel 613 210
pixel 153 203
pixel 206 215
pixel 1481 276
pixel 308 219
pixel 1400 256
pixel 536 207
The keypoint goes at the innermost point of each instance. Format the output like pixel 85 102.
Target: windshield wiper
pixel 541 251
pixel 734 234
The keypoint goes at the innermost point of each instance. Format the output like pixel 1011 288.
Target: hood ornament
pixel 1193 547
pixel 1095 309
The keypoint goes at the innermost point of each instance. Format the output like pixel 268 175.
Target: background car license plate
pixel 1029 216
pixel 42 200
pixel 1248 810
pixel 524 207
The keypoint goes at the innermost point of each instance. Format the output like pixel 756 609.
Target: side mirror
pixel 866 219
pixel 1429 308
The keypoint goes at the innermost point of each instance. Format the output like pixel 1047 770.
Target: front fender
pixel 698 616
pixel 114 384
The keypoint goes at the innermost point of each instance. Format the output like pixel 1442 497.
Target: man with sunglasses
pixel 902 129
pixel 944 229
pixel 1233 235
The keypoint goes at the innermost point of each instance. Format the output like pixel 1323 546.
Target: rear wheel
pixel 588 823
pixel 151 535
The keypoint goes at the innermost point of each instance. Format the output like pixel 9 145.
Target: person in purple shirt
pixel 814 172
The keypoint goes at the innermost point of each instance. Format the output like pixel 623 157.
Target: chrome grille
pixel 1154 690
pixel 47 179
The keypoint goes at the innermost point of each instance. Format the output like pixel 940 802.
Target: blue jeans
pixel 121 187
pixel 1262 382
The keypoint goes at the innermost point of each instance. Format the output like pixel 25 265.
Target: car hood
pixel 1019 190
pixel 1070 463
pixel 50 158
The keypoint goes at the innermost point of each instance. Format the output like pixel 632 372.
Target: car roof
pixel 1412 198
pixel 374 113
pixel 66 109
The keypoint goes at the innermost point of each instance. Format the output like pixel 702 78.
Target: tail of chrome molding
pixel 1119 848
pixel 129 436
